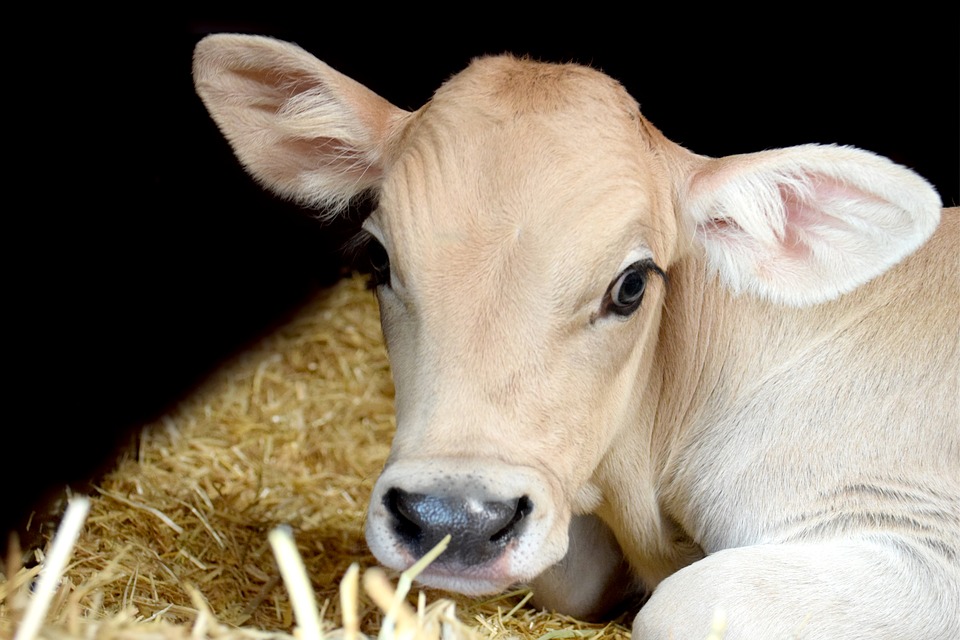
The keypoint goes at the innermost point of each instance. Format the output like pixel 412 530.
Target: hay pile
pixel 178 543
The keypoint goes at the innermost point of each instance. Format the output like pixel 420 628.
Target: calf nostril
pixel 405 515
pixel 520 511
pixel 479 529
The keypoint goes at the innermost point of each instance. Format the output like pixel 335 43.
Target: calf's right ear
pixel 302 129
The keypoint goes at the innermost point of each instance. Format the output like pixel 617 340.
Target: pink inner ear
pixel 819 212
pixel 299 158
pixel 723 228
pixel 811 216
pixel 310 154
pixel 802 218
pixel 270 88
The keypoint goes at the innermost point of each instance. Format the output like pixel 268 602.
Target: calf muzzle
pixel 507 522
pixel 479 530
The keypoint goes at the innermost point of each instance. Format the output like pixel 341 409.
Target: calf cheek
pixel 596 400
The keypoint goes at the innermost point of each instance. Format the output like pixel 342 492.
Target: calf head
pixel 527 219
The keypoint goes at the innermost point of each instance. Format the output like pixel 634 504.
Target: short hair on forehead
pixel 522 85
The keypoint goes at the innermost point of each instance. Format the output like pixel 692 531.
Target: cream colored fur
pixel 774 431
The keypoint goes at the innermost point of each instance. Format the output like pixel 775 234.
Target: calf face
pixel 523 288
pixel 527 220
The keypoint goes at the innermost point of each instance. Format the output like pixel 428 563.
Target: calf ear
pixel 805 224
pixel 302 129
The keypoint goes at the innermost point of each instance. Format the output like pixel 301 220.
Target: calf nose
pixel 479 530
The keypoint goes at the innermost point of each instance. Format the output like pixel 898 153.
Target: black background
pixel 139 255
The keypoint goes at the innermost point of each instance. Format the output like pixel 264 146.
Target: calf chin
pixel 506 522
pixel 593 581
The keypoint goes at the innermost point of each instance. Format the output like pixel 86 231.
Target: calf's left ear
pixel 806 224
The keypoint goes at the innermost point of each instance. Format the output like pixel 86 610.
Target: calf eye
pixel 626 292
pixel 379 262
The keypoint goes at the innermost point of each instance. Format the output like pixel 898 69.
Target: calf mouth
pixel 491 577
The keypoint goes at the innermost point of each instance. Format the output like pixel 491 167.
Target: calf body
pixel 626 371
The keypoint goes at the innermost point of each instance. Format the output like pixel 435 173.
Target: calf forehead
pixel 505 86
pixel 515 157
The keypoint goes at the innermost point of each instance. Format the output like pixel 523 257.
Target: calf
pixel 626 371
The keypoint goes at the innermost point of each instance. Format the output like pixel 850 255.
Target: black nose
pixel 479 530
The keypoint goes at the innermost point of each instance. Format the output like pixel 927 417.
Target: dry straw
pixel 288 438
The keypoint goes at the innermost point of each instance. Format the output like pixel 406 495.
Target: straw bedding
pixel 177 542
